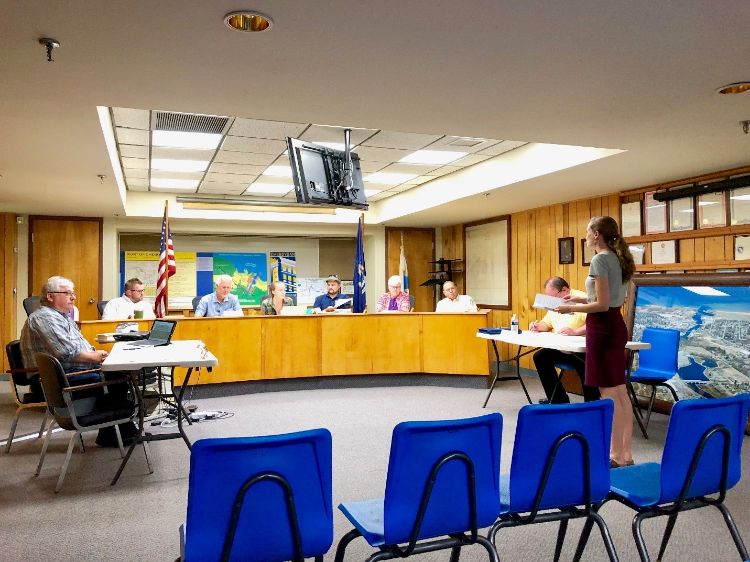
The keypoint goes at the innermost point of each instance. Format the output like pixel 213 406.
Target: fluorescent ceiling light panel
pixel 706 291
pixel 389 178
pixel 278 171
pixel 261 188
pixel 171 165
pixel 740 197
pixel 177 139
pixel 704 203
pixel 432 157
pixel 174 183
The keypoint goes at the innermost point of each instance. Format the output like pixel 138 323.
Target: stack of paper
pixel 547 302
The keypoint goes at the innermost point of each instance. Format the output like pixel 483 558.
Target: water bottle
pixel 514 324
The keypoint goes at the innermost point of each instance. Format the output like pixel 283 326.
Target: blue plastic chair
pixel 443 481
pixel 655 366
pixel 560 469
pixel 259 498
pixel 701 458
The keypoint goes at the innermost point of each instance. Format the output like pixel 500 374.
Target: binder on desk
pixel 490 330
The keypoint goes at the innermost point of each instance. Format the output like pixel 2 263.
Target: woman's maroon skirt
pixel 606 336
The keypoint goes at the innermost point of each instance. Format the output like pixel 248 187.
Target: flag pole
pixel 168 236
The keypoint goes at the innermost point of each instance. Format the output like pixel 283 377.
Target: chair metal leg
pixel 560 538
pixel 583 539
pixel 667 533
pixel 119 441
pixel 71 444
pixel 44 421
pixel 489 547
pixel 638 536
pixel 44 448
pixel 636 408
pixel 80 440
pixel 145 454
pixel 13 426
pixel 733 531
pixel 455 553
pixel 344 542
pixel 606 537
pixel 650 405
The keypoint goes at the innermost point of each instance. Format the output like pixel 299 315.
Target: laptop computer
pixel 160 334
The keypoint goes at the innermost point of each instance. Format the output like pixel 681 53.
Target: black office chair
pixel 22 377
pixel 196 300
pixel 30 304
pixel 411 302
pixel 100 307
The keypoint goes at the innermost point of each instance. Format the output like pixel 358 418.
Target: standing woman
pixel 606 334
pixel 272 304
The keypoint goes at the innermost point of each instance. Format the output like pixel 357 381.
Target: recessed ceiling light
pixel 171 165
pixel 260 188
pixel 278 171
pixel 432 157
pixel 736 88
pixel 178 139
pixel 389 178
pixel 247 22
pixel 174 184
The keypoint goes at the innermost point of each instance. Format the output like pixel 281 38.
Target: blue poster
pixel 248 273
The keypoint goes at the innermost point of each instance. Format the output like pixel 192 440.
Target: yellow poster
pixel 145 266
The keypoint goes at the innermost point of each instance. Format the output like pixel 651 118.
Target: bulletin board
pixel 487 262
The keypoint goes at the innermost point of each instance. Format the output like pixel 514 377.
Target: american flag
pixel 167 268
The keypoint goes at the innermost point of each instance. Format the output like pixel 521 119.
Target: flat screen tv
pixel 320 175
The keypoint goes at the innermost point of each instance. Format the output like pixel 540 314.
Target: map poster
pixel 249 273
pixel 145 266
pixel 714 325
pixel 284 268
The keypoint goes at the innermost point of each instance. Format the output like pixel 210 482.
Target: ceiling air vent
pixel 466 142
pixel 189 122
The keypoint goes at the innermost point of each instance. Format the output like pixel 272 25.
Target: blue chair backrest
pixel 415 449
pixel 219 467
pixel 689 421
pixel 539 426
pixel 662 357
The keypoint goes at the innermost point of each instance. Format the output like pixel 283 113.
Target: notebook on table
pixel 160 334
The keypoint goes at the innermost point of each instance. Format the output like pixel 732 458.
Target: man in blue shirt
pixel 221 302
pixel 327 302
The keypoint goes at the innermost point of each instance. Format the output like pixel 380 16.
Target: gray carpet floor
pixel 138 519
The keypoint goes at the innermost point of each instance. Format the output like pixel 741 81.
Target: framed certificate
pixel 638 251
pixel 739 205
pixel 664 252
pixel 586 253
pixel 712 211
pixel 681 214
pixel 655 214
pixel 631 219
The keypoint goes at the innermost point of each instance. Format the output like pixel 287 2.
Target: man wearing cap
pixel 327 302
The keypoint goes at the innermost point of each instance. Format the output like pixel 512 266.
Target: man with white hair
pixel 221 302
pixel 395 300
pixel 50 329
pixel 454 302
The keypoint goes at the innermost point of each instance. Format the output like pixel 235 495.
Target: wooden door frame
pixel 32 218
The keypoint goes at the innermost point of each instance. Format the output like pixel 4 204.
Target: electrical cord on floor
pixel 194 413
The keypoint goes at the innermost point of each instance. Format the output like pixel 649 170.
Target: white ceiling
pixel 637 76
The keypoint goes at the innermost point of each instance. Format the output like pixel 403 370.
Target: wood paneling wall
pixel 9 264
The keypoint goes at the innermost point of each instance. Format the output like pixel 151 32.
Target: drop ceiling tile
pixel 282 160
pixel 459 144
pixel 265 129
pixel 133 151
pixel 377 196
pixel 133 187
pixel 230 178
pixel 418 169
pixel 378 186
pixel 395 139
pixel 135 173
pixel 267 190
pixel 418 180
pixel 173 189
pixel 137 182
pixel 131 118
pixel 181 153
pixel 445 170
pixel 325 133
pixel 276 180
pixel 137 163
pixel 229 157
pixel 370 167
pixel 502 147
pixel 247 169
pixel 246 144
pixel 132 136
pixel 470 160
pixel 401 188
pixel 389 155
pixel 163 174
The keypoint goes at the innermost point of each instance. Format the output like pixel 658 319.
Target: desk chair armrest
pixel 87 371
pixel 20 371
pixel 94 385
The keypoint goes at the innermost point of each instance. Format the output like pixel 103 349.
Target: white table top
pixel 179 353
pixel 549 340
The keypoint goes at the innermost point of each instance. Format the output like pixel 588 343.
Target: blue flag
pixel 403 269
pixel 360 298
